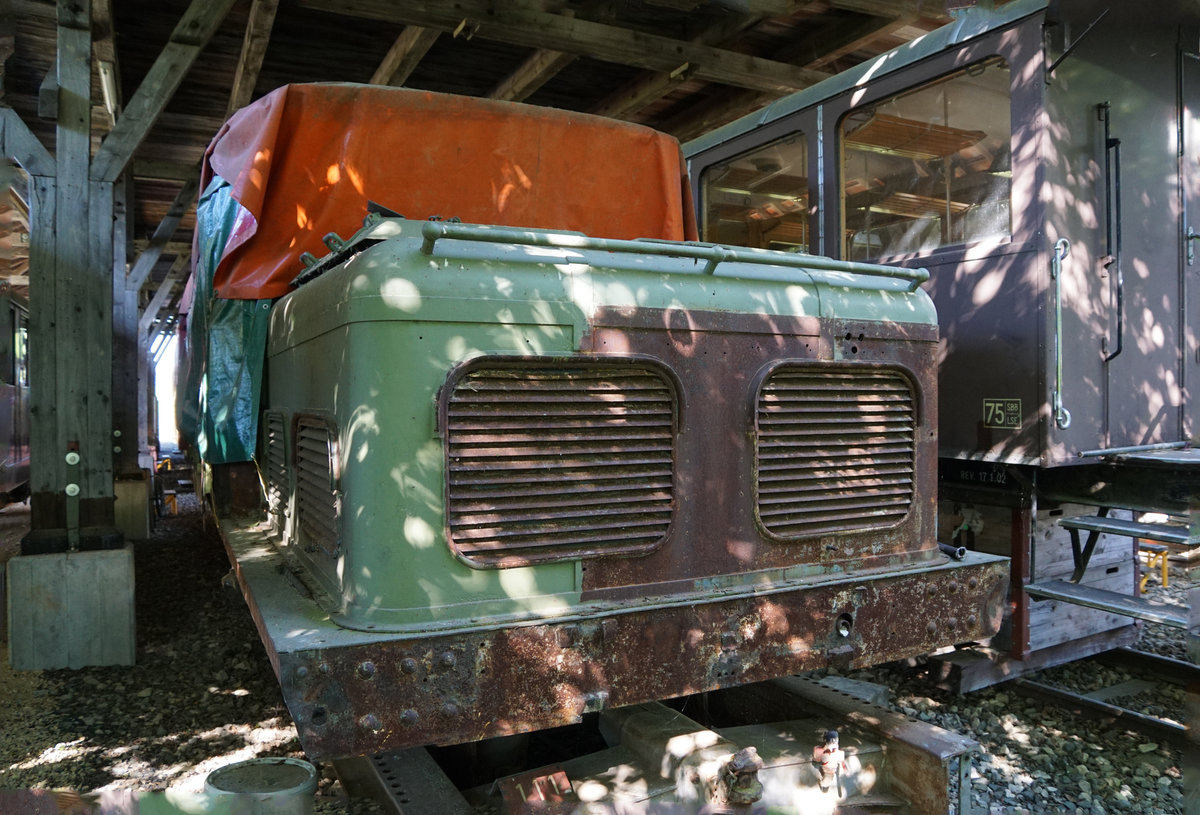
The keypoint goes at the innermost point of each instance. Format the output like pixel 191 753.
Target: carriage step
pixel 1115 602
pixel 1167 533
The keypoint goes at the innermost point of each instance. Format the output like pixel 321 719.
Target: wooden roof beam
pixel 650 88
pixel 602 41
pixel 405 55
pixel 818 50
pixel 163 233
pixel 150 314
pixel 641 92
pixel 541 66
pixel 933 9
pixel 163 170
pixel 254 49
pixel 193 32
pixel 18 143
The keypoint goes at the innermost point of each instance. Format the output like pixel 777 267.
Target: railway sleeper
pixel 766 744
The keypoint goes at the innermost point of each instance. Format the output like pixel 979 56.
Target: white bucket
pixel 263 786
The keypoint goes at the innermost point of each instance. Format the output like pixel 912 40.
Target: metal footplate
pixel 1115 602
pixel 1096 525
pixel 1166 533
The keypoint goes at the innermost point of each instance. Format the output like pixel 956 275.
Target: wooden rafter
pixel 192 33
pixel 602 41
pixel 653 86
pixel 254 49
pixel 19 143
pixel 541 66
pixel 164 290
pixel 163 233
pixel 892 9
pixel 405 54
pixel 640 93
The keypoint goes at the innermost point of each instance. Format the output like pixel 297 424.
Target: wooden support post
pixel 77 606
pixel 126 412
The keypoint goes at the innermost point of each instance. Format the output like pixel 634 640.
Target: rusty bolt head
pixel 447 659
pixel 366 670
pixel 952 586
pixel 324 668
pixel 449 709
pixel 971 620
pixel 745 760
pixel 932 627
pixel 408 665
pixel 952 622
pixel 973 582
pixel 370 722
pixel 301 671
pixel 409 717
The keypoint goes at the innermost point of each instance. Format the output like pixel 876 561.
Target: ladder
pixel 1071 591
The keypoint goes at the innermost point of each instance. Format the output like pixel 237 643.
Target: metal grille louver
pixel 547 462
pixel 316 497
pixel 276 464
pixel 835 450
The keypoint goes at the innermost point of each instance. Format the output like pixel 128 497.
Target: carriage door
pixel 1189 280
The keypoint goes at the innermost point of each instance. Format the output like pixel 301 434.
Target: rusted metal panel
pixel 720 360
pixel 549 459
pixel 834 449
pixel 354 693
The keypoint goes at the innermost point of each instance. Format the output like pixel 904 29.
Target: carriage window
pixel 759 198
pixel 930 167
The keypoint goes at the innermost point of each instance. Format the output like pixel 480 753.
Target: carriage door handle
pixel 1191 250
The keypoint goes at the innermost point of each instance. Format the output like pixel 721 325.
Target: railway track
pixel 660 760
pixel 1149 676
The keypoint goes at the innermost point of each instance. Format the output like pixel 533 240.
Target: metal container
pixel 263 786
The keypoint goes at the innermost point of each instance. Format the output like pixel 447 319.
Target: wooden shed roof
pixel 681 66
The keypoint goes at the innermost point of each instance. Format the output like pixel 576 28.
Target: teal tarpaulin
pixel 218 397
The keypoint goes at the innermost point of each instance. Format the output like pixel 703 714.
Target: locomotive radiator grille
pixel 317 499
pixel 561 461
pixel 277 476
pixel 835 450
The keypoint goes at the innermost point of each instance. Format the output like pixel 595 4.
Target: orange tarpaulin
pixel 304 160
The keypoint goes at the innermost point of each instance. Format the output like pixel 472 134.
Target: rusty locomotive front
pixel 537 452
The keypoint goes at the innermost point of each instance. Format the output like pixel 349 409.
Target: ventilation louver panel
pixel 316 482
pixel 547 462
pixel 835 450
pixel 276 464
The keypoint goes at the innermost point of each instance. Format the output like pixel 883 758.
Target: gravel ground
pixel 203 695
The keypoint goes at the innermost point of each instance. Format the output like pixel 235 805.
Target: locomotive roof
pixel 973 23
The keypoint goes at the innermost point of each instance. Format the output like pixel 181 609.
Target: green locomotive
pixel 513 473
